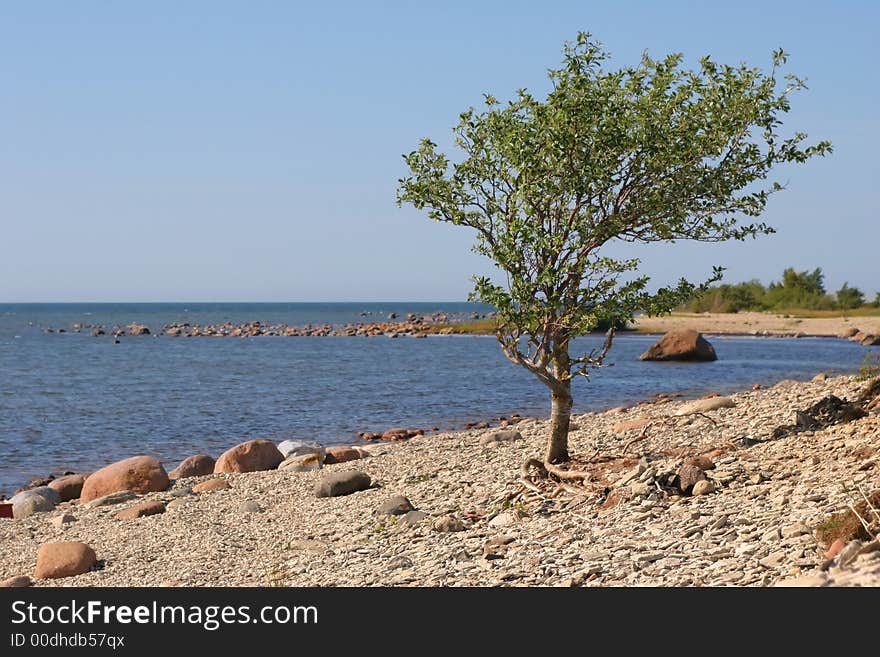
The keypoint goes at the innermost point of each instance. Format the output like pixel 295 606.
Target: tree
pixel 799 289
pixel 849 298
pixel 645 153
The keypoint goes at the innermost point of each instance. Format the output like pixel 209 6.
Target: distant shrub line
pixel 796 290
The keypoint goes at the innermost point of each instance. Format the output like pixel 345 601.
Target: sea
pixel 71 401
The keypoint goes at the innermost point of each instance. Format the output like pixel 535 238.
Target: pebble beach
pixel 474 523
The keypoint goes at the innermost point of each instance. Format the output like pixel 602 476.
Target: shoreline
pixel 755 529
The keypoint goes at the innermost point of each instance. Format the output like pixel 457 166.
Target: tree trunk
pixel 560 415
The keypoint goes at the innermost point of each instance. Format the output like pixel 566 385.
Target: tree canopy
pixel 653 152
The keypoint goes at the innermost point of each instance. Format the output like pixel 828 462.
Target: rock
pixel 681 344
pixel 211 485
pixel 17 582
pixel 704 406
pixel 250 456
pixel 688 476
pixel 138 329
pixel 400 433
pixel 302 462
pixel 414 517
pixel 703 488
pixel 502 520
pixel 495 437
pixel 395 506
pixel 399 562
pixel 639 488
pixel 58 522
pixel 449 523
pixel 835 548
pixel 150 508
pixel 68 487
pixel 850 552
pixel 795 530
pixel 342 455
pixel 496 547
pixel 63 559
pixel 33 500
pixel 631 425
pixel 197 465
pixel 250 506
pixel 334 484
pixel 821 377
pixel 702 462
pixel 870 340
pixel 804 581
pixel 139 474
pixel 113 498
pixel 290 448
pixel 850 332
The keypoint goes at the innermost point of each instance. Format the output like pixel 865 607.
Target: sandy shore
pixel 756 529
pixel 757 323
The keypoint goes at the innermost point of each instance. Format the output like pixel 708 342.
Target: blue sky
pixel 250 151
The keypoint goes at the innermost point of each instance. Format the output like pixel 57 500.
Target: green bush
pixel 849 297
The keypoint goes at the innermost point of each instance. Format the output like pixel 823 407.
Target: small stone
pixel 772 535
pixel 703 488
pixel 702 462
pixel 113 498
pixel 803 582
pixel 17 582
pixel 650 557
pixel 302 462
pixel 342 455
pixel 688 475
pixel 639 488
pixel 704 406
pixel 211 485
pixel 63 559
pixel 773 560
pixel 414 517
pixel 794 530
pixel 399 562
pixel 290 448
pixel 502 520
pixel 449 523
pixel 249 506
pixel 395 506
pixel 334 484
pixel 58 522
pixel 821 377
pixel 149 508
pixel 508 435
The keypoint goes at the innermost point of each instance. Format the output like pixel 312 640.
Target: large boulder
pixel 139 474
pixel 68 487
pixel 34 500
pixel 681 344
pixel 63 559
pixel 193 466
pixel 250 456
pixel 870 340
